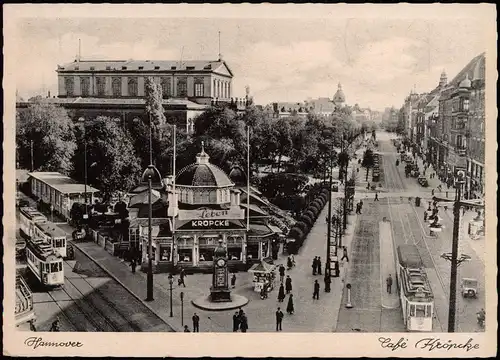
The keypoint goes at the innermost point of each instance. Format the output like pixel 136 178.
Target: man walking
pixel 288 284
pixel 319 265
pixel 55 325
pixel 315 264
pixel 345 255
pixel 196 323
pixel 133 264
pixel 376 196
pixel 236 322
pixel 243 322
pixel 233 281
pixel 182 274
pixel 389 283
pixel 279 319
pixel 316 290
pixel 282 272
pixel 328 281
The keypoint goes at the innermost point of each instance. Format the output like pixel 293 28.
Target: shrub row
pixel 306 221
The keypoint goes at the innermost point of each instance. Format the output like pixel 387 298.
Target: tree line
pixel 117 153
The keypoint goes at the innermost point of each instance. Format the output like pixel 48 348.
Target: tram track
pixel 423 238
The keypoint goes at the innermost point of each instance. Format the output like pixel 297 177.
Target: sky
pixel 377 61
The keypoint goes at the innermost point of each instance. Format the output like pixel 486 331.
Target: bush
pixel 311 214
pixel 303 226
pixel 307 219
pixel 296 234
pixel 316 207
pixel 319 203
pixel 314 210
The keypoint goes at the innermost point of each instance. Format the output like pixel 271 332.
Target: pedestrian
pixel 289 307
pixel 315 264
pixel 182 275
pixel 316 290
pixel 328 281
pixel 288 284
pixel 233 281
pixel 357 208
pixel 432 192
pixel 360 205
pixel 196 323
pixel 243 323
pixel 236 322
pixel 281 293
pixel 289 263
pixel 345 255
pixel 282 272
pixel 446 193
pixel 425 215
pixel 133 264
pixel 32 325
pixel 389 283
pixel 376 196
pixel 279 319
pixel 319 265
pixel 293 260
pixel 186 328
pixel 55 325
pixel 240 313
pixel 463 211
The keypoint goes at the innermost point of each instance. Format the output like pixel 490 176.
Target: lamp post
pixel 182 308
pixel 329 226
pixel 170 282
pixel 82 120
pixel 454 259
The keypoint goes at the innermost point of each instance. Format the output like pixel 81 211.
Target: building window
pixel 85 85
pixel 465 105
pixel 182 88
pixel 132 86
pixel 101 85
pixel 199 89
pixel 117 86
pixel 166 87
pixel 70 86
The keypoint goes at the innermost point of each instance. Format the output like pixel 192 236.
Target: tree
pixel 51 131
pixel 368 161
pixel 112 161
pixel 283 139
pixel 154 98
pixel 282 184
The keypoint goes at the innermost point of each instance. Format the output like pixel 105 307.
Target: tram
pixel 45 263
pixel 28 217
pixel 52 235
pixel 417 300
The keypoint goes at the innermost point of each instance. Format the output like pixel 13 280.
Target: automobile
pixel 468 287
pixel 335 185
pixel 422 180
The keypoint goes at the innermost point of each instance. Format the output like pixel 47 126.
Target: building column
pixel 260 250
pixel 195 252
pixel 157 251
pixel 244 249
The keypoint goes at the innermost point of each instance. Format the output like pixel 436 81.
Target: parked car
pixel 422 180
pixel 335 185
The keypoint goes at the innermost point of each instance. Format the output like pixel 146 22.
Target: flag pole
pixel 248 178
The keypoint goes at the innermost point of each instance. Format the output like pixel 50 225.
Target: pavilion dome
pixel 202 173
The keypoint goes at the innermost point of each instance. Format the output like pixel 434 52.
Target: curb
pixel 174 328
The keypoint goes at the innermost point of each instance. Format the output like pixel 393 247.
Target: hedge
pixel 303 226
pixel 307 219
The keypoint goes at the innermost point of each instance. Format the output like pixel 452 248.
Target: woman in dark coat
pixel 281 293
pixel 289 263
pixel 289 307
pixel 288 284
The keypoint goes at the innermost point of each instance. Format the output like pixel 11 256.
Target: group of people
pixel 240 321
pixel 316 265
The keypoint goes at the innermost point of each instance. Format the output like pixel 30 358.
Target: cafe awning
pixel 262 268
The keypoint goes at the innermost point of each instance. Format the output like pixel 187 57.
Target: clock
pixel 221 262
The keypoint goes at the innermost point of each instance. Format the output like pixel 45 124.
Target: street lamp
pixel 453 257
pixel 82 120
pixel 171 282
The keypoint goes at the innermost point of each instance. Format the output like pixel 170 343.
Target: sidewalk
pixel 310 315
pixel 387 266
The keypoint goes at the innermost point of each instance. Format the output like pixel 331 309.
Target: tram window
pixel 47 268
pixel 54 267
pixel 420 310
pixel 63 242
pixel 60 266
pixel 412 310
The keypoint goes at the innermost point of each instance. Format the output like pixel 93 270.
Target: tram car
pixel 45 263
pixel 28 217
pixel 53 235
pixel 417 299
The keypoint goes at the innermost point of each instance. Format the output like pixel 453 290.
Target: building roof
pixel 475 70
pixel 202 173
pixel 409 256
pixel 62 183
pixel 51 229
pixel 143 65
pixel 262 267
pixel 339 96
pixel 259 230
pixel 238 176
pixel 172 102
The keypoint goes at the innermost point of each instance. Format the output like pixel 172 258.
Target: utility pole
pixel 329 225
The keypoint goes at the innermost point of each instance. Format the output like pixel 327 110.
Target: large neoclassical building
pixel 89 88
pixel 210 206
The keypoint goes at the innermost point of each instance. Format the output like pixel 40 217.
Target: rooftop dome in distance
pixel 202 173
pixel 339 96
pixel 238 176
pixel 465 83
